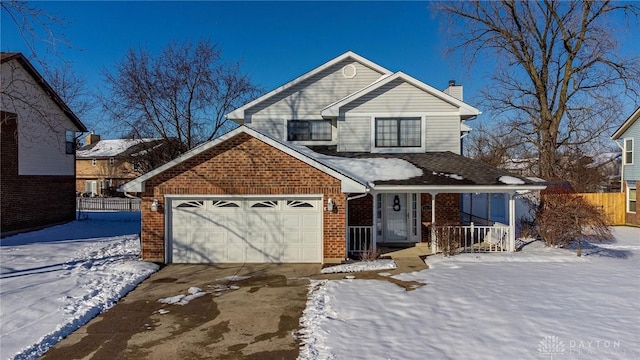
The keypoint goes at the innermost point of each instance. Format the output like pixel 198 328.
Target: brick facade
pixel 242 165
pixel 631 218
pixel 28 202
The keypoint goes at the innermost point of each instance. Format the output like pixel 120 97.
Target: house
pixel 625 137
pixel 344 158
pixel 38 149
pixel 103 165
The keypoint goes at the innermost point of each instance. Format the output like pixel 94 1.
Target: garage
pixel 253 229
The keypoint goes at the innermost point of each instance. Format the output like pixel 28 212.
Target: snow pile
pixel 236 277
pixel 510 180
pixel 380 264
pixel 55 280
pixel 181 299
pixel 486 309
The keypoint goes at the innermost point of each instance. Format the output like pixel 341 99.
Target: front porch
pixel 432 221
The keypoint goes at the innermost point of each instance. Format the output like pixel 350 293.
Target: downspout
pixel 621 166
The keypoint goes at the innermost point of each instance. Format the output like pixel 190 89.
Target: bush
pixel 564 218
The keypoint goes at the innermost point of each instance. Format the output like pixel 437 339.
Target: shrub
pixel 564 218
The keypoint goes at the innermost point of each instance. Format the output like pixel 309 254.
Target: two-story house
pixel 341 159
pixel 37 150
pixel 103 165
pixel 626 137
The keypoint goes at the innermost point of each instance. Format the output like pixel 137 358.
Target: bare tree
pixel 182 93
pixel 559 73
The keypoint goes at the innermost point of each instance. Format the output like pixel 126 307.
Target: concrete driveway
pixel 252 318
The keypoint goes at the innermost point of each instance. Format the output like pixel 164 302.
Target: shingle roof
pixel 439 168
pixel 116 148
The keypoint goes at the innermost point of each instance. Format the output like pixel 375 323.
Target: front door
pixel 395 214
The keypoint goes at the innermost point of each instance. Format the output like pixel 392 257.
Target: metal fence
pixel 97 203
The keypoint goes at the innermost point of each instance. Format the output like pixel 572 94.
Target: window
pixel 94 162
pixel 111 161
pixel 309 130
pixel 265 204
pixel 70 142
pixel 628 151
pixel 136 166
pixel 631 197
pixel 398 132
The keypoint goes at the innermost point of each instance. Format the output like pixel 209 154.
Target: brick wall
pixel 29 201
pixel 242 165
pixel 361 211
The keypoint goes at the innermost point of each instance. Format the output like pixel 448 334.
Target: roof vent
pixel 349 71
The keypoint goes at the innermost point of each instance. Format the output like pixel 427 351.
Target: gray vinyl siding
pixel 354 134
pixel 310 96
pixel 443 133
pixel 398 96
pixel 274 127
pixel 632 172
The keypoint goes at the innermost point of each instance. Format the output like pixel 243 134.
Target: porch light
pixel 330 204
pixel 154 205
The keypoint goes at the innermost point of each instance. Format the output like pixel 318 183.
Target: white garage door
pixel 236 230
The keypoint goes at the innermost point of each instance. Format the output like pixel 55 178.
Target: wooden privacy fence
pixel 97 203
pixel 613 205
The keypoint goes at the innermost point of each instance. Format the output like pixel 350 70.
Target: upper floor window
pixel 398 132
pixel 112 161
pixel 628 151
pixel 94 162
pixel 309 130
pixel 70 142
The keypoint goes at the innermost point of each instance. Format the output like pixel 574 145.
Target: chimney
pixel 454 90
pixel 91 138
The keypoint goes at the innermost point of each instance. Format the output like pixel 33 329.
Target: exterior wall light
pixel 330 204
pixel 154 205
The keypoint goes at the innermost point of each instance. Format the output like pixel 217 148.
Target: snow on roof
pixel 109 148
pixel 510 180
pixel 368 170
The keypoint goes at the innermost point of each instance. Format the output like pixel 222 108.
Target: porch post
pixel 374 229
pixel 512 222
pixel 434 243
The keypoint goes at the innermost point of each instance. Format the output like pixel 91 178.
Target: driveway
pixel 249 311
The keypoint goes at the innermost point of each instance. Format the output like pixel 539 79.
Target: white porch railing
pixel 360 239
pixel 97 203
pixel 473 238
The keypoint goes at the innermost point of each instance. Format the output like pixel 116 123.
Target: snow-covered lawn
pixel 54 280
pixel 540 303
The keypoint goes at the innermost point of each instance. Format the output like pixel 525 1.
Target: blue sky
pixel 275 41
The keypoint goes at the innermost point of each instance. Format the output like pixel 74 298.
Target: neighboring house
pixel 37 150
pixel 103 165
pixel 346 157
pixel 627 137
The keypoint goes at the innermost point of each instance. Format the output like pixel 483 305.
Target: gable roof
pixel 466 111
pixel 350 183
pixel 22 60
pixel 626 125
pixel 116 147
pixel 238 114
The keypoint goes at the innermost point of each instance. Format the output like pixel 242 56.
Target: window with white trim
pixel 628 151
pixel 398 132
pixel 309 130
pixel 70 142
pixel 631 197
